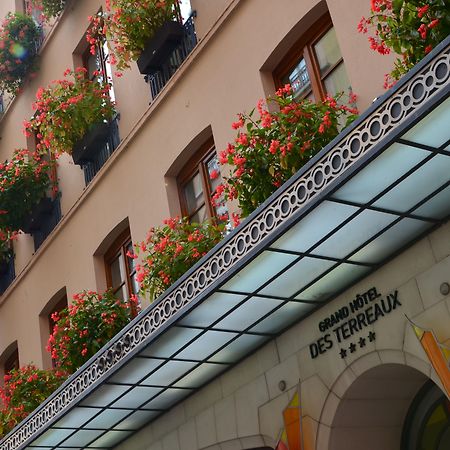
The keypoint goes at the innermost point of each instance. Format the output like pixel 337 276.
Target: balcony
pixel 7 274
pixel 43 219
pixel 99 149
pixel 158 78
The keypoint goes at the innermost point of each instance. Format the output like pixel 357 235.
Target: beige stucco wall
pixel 242 409
pixel 227 73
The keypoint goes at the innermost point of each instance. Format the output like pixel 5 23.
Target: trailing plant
pixel 87 325
pixel 411 28
pixel 6 238
pixel 127 25
pixel 23 391
pixel 271 146
pixel 50 8
pixel 67 109
pixel 169 251
pixel 19 46
pixel 24 181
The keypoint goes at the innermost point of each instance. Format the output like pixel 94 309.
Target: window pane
pixel 327 51
pixel 200 216
pixel 193 192
pixel 121 292
pixel 337 81
pixel 298 78
pixel 108 69
pixel 214 173
pixel 12 362
pixel 221 208
pixel 117 272
pixel 131 261
pixel 92 65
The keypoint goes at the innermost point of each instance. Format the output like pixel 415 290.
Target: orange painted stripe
pixel 436 356
pixel 292 426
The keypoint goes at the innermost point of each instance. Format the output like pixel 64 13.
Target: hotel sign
pixel 361 312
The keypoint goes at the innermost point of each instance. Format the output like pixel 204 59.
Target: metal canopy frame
pixel 378 187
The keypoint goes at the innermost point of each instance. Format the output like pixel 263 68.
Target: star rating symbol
pixel 362 342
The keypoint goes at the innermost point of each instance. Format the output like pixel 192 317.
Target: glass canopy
pixel 380 186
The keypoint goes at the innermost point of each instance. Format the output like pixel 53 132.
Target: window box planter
pixel 32 222
pixel 4 267
pixel 7 273
pixel 159 46
pixel 87 148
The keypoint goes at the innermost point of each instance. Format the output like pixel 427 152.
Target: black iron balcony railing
pixel 105 150
pixel 40 40
pixel 158 79
pixel 7 273
pixel 47 220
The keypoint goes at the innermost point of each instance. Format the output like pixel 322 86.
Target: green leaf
pixel 397 6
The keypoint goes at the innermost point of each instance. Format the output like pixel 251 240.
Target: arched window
pixel 197 182
pixel 9 359
pixel 46 319
pixel 120 268
pixel 314 65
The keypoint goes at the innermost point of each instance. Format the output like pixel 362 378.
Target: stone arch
pixel 368 403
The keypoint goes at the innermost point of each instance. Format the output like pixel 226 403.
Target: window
pixel 107 139
pixel 314 66
pixel 196 185
pixel 7 272
pixel 99 62
pixel 12 362
pixel 46 323
pixel 62 304
pixel 47 213
pixel 30 9
pixel 120 268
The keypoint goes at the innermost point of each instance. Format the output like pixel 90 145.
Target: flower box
pixel 4 267
pixel 159 46
pixel 87 148
pixel 32 221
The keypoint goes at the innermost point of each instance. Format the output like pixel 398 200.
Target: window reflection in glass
pixel 327 51
pixel 299 79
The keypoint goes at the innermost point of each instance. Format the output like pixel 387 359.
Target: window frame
pixel 30 10
pixel 61 304
pixel 100 53
pixel 304 48
pixel 119 249
pixel 11 362
pixel 198 164
pixel 57 308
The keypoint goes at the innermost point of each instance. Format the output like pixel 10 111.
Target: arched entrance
pixel 427 424
pixel 377 411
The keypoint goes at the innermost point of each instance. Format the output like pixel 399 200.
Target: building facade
pixel 321 322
